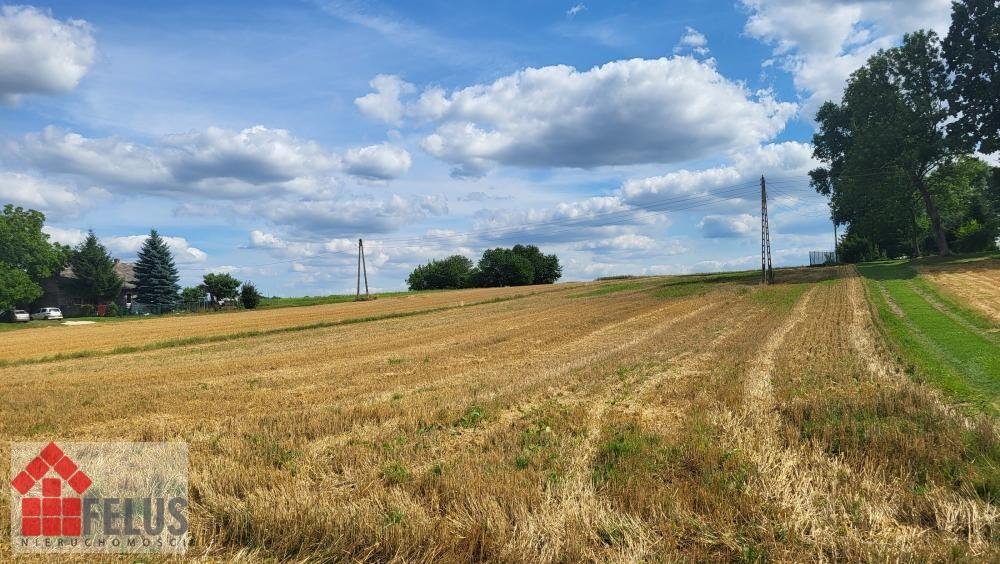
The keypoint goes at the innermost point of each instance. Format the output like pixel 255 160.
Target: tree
pixel 156 278
pixel 972 50
pixel 249 296
pixel 883 142
pixel 193 295
pixel 450 273
pixel 221 286
pixel 503 267
pixel 16 287
pixel 546 267
pixel 94 270
pixel 26 256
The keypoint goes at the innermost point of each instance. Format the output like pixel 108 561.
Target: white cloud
pixel 634 242
pixel 214 163
pixel 128 247
pixel 721 185
pixel 71 237
pixel 693 41
pixel 384 104
pixel 820 42
pixel 377 162
pixel 624 112
pixel 575 9
pixel 728 226
pixel 351 215
pixel 40 54
pixel 37 193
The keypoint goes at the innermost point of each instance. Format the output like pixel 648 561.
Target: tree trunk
pixel 932 212
pixel 914 232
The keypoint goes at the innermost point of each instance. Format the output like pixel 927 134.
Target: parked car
pixel 14 316
pixel 47 313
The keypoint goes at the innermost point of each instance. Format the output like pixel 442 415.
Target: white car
pixel 47 313
pixel 20 316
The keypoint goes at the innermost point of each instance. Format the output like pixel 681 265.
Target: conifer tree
pixel 94 270
pixel 156 277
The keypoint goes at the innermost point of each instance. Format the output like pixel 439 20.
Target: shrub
pixel 854 248
pixel 86 310
pixel 249 296
pixel 113 310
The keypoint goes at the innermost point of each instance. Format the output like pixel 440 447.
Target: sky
pixel 264 139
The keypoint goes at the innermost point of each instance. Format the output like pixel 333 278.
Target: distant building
pixel 62 291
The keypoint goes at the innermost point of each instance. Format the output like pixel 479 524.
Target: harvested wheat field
pixel 686 418
pixel 976 283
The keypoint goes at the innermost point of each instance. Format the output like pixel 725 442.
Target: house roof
pixel 125 270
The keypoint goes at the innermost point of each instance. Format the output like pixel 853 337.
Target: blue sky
pixel 264 138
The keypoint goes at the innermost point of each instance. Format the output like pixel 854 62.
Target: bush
pixel 854 249
pixel 973 236
pixel 113 310
pixel 249 296
pixel 86 310
pixel 451 273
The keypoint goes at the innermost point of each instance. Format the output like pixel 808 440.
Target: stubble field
pixel 699 418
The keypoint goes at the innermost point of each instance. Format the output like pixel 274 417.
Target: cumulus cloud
pixel 820 42
pixel 40 54
pixel 692 41
pixel 377 162
pixel 384 104
pixel 723 186
pixel 213 163
pixel 728 226
pixel 621 113
pixel 635 242
pixel 127 246
pixel 31 192
pixel 352 215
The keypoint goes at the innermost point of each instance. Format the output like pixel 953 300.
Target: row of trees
pixel 27 257
pixel 220 288
pixel 898 149
pixel 518 266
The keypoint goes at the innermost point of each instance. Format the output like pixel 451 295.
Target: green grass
pixel 614 288
pixel 952 350
pixel 276 302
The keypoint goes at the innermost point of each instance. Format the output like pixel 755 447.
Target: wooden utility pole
pixel 766 272
pixel 362 270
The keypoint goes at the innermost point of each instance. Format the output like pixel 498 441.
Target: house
pixel 62 291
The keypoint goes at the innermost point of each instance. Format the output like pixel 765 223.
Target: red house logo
pixel 51 514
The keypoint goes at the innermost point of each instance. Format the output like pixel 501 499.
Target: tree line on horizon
pixel 519 265
pixel 899 150
pixel 27 257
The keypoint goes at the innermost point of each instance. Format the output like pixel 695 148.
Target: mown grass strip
pixel 206 339
pixel 943 350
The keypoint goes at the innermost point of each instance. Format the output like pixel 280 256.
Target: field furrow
pixel 701 419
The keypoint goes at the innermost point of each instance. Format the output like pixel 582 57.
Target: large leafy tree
pixel 504 267
pixel 222 286
pixel 883 142
pixel 156 277
pixel 94 270
pixel 26 256
pixel 546 267
pixel 972 50
pixel 450 273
